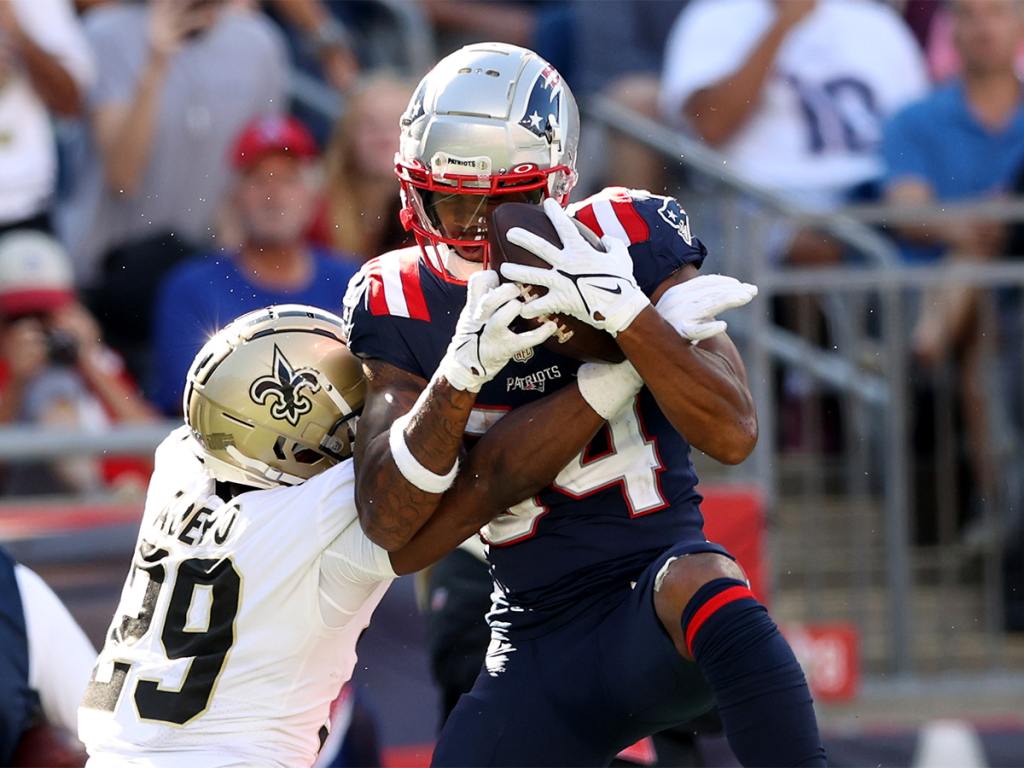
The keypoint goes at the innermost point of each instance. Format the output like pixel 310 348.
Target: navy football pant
pixel 580 694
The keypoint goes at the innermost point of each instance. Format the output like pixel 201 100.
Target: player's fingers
pixel 521 273
pixel 706 330
pixel 545 305
pixel 535 244
pixel 496 297
pixel 540 334
pixel 613 244
pixel 738 297
pixel 478 284
pixel 560 220
pixel 506 313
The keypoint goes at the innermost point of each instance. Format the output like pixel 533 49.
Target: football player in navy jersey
pixel 613 617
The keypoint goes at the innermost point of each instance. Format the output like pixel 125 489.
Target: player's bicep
pixel 351 568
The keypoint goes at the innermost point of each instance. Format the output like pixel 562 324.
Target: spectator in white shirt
pixel 793 92
pixel 45 68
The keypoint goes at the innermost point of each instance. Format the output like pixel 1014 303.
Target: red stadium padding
pixel 27 521
pixel 734 517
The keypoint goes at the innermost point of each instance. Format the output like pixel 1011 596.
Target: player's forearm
pixel 393 508
pixel 517 458
pixel 718 111
pixel 701 390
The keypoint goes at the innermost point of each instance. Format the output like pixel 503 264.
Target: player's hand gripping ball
pixel 484 339
pixel 575 338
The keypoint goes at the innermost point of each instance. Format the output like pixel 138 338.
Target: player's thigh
pixel 647 682
pixel 538 710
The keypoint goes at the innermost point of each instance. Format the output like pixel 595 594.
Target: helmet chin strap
pixel 461 268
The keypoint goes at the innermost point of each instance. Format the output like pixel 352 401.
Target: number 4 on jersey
pixel 632 462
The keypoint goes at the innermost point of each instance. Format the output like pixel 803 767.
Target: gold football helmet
pixel 273 397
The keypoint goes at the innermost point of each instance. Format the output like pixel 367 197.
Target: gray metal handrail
pixel 32 443
pixel 709 163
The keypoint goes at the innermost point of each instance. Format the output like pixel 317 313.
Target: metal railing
pixel 846 486
pixel 842 512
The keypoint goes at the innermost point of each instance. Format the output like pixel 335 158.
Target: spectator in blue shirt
pixel 963 142
pixel 274 203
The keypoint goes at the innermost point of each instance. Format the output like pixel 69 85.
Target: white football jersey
pixel 837 76
pixel 237 623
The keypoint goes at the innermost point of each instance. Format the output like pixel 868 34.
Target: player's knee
pixel 679 580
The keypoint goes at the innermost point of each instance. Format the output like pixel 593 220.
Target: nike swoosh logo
pixel 617 289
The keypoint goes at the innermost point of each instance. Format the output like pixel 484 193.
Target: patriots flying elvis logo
pixel 673 214
pixel 285 389
pixel 542 108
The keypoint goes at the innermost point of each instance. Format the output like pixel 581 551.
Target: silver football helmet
pixel 489 120
pixel 273 397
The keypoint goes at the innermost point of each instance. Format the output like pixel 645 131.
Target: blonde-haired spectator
pixel 362 201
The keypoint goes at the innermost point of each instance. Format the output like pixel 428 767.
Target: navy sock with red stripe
pixel 760 689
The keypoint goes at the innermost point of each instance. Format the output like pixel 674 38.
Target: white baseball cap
pixel 35 273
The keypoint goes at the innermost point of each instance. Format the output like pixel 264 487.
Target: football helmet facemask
pixel 273 397
pixel 490 123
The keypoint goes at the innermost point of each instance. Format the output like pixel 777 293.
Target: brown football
pixel 574 338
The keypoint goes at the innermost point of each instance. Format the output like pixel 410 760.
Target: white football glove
pixel 594 286
pixel 483 342
pixel 691 307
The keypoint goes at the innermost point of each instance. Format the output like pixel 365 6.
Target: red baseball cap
pixel 35 274
pixel 270 134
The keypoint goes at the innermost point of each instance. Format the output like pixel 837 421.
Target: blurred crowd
pixel 158 177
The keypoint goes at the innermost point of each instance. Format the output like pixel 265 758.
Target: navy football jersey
pixel 18 702
pixel 625 498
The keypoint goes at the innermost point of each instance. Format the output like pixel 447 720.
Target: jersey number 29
pixel 198 625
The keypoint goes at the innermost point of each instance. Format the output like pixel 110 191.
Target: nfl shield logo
pixel 524 356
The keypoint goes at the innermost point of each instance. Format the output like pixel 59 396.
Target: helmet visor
pixel 462 218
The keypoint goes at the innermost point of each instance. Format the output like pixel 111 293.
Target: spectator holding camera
pixel 54 368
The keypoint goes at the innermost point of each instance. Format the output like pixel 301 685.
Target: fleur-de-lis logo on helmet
pixel 286 389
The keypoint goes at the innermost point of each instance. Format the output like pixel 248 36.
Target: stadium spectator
pixel 963 142
pixel 944 60
pixel 46 661
pixel 788 92
pixel 177 80
pixel 274 197
pixel 362 200
pixel 324 36
pixel 45 67
pixel 55 369
pixel 636 30
pixel 545 26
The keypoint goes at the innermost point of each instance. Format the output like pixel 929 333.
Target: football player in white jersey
pixel 252 578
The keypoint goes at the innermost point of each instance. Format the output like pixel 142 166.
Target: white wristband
pixel 410 467
pixel 608 388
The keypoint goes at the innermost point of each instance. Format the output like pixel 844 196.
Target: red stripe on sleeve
pixel 631 221
pixel 723 598
pixel 586 217
pixel 378 301
pixel 415 301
